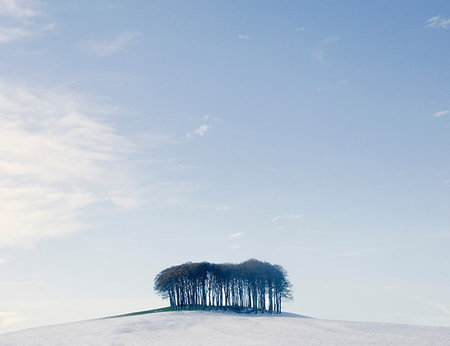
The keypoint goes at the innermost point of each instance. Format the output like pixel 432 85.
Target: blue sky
pixel 136 136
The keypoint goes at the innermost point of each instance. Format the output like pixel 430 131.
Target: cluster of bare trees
pixel 251 285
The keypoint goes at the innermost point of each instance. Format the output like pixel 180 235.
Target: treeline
pixel 252 285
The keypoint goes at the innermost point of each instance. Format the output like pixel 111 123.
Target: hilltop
pixel 225 328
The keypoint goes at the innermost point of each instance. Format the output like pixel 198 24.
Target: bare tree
pixel 251 285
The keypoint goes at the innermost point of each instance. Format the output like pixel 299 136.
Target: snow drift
pixel 221 328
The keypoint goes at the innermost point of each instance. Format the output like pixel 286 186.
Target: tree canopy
pixel 250 285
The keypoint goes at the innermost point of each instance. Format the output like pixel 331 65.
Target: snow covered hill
pixel 221 328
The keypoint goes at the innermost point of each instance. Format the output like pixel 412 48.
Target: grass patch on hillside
pixel 168 308
pixel 208 308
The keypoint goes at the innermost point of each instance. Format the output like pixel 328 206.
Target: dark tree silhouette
pixel 250 286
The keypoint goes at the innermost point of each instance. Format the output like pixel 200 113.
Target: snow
pixel 220 328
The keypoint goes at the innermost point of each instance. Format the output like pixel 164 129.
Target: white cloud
pixel 56 159
pixel 236 235
pixel 223 208
pixel 323 88
pixel 200 131
pixel 286 217
pixel 438 22
pixel 49 26
pixel 234 246
pixel 243 37
pixel 18 9
pixel 300 28
pixel 318 53
pixel 328 40
pixel 109 47
pixel 441 113
pixel 331 85
pixel 19 13
pixel 8 34
pixel 3 261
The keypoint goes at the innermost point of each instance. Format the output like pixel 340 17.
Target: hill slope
pixel 220 328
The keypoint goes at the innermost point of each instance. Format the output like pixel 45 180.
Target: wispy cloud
pixel 438 22
pixel 318 53
pixel 19 24
pixel 49 26
pixel 243 37
pixel 236 235
pixel 8 34
pixel 441 113
pixel 57 157
pixel 223 208
pixel 339 83
pixel 200 131
pixel 286 217
pixel 323 88
pixel 22 9
pixel 3 261
pixel 109 47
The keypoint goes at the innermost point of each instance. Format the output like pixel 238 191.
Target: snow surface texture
pixel 219 328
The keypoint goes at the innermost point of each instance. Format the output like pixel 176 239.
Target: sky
pixel 139 135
